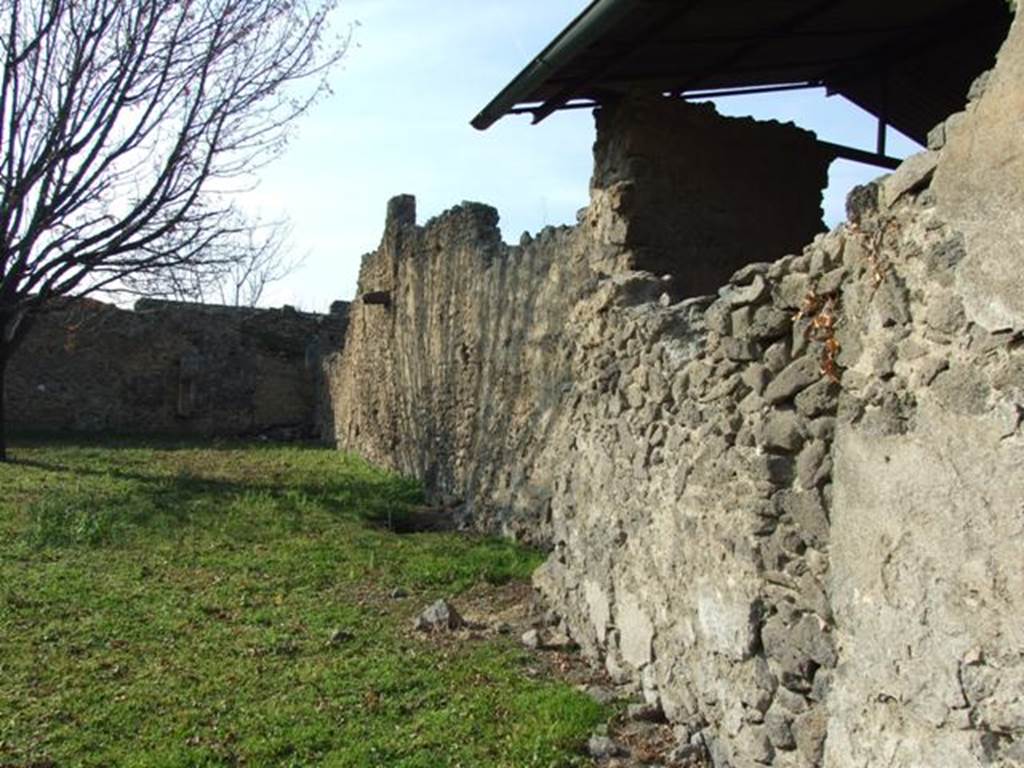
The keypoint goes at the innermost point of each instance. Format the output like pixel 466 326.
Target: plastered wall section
pixel 928 526
pixel 176 368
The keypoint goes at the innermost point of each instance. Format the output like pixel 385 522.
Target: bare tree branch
pixel 235 272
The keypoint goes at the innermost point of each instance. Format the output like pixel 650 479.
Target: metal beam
pixel 861 156
pixel 754 75
pixel 879 159
pixel 738 55
pixel 883 111
pixel 716 93
pixel 708 94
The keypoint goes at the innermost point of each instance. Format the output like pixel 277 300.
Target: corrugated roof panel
pixel 909 61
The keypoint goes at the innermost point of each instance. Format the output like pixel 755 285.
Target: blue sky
pixel 398 122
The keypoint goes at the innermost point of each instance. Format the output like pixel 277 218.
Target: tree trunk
pixel 12 333
pixel 3 397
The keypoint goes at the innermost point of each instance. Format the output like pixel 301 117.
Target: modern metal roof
pixel 909 62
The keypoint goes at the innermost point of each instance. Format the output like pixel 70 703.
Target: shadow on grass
pixel 292 501
pixel 89 512
pixel 35 438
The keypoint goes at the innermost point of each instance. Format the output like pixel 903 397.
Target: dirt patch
pixel 418 519
pixel 635 737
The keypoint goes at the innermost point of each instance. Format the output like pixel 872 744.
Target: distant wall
pixel 790 510
pixel 169 367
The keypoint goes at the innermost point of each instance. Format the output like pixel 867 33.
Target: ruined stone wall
pixel 168 367
pixel 458 356
pixel 790 511
pixel 791 565
pixel 454 371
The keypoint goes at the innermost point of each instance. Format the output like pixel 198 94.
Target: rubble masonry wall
pixel 790 510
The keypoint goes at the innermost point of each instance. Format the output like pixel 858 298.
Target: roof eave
pixel 593 21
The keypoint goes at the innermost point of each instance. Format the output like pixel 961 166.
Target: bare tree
pixel 266 257
pixel 237 277
pixel 124 124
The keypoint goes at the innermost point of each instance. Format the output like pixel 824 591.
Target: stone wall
pixel 790 511
pixel 791 564
pixel 454 371
pixel 458 356
pixel 927 584
pixel 169 367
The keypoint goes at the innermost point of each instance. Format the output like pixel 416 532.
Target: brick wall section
pixel 169 367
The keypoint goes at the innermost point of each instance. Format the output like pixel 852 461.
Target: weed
pixel 823 313
pixel 57 522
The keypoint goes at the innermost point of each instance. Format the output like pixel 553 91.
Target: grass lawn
pixel 186 604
